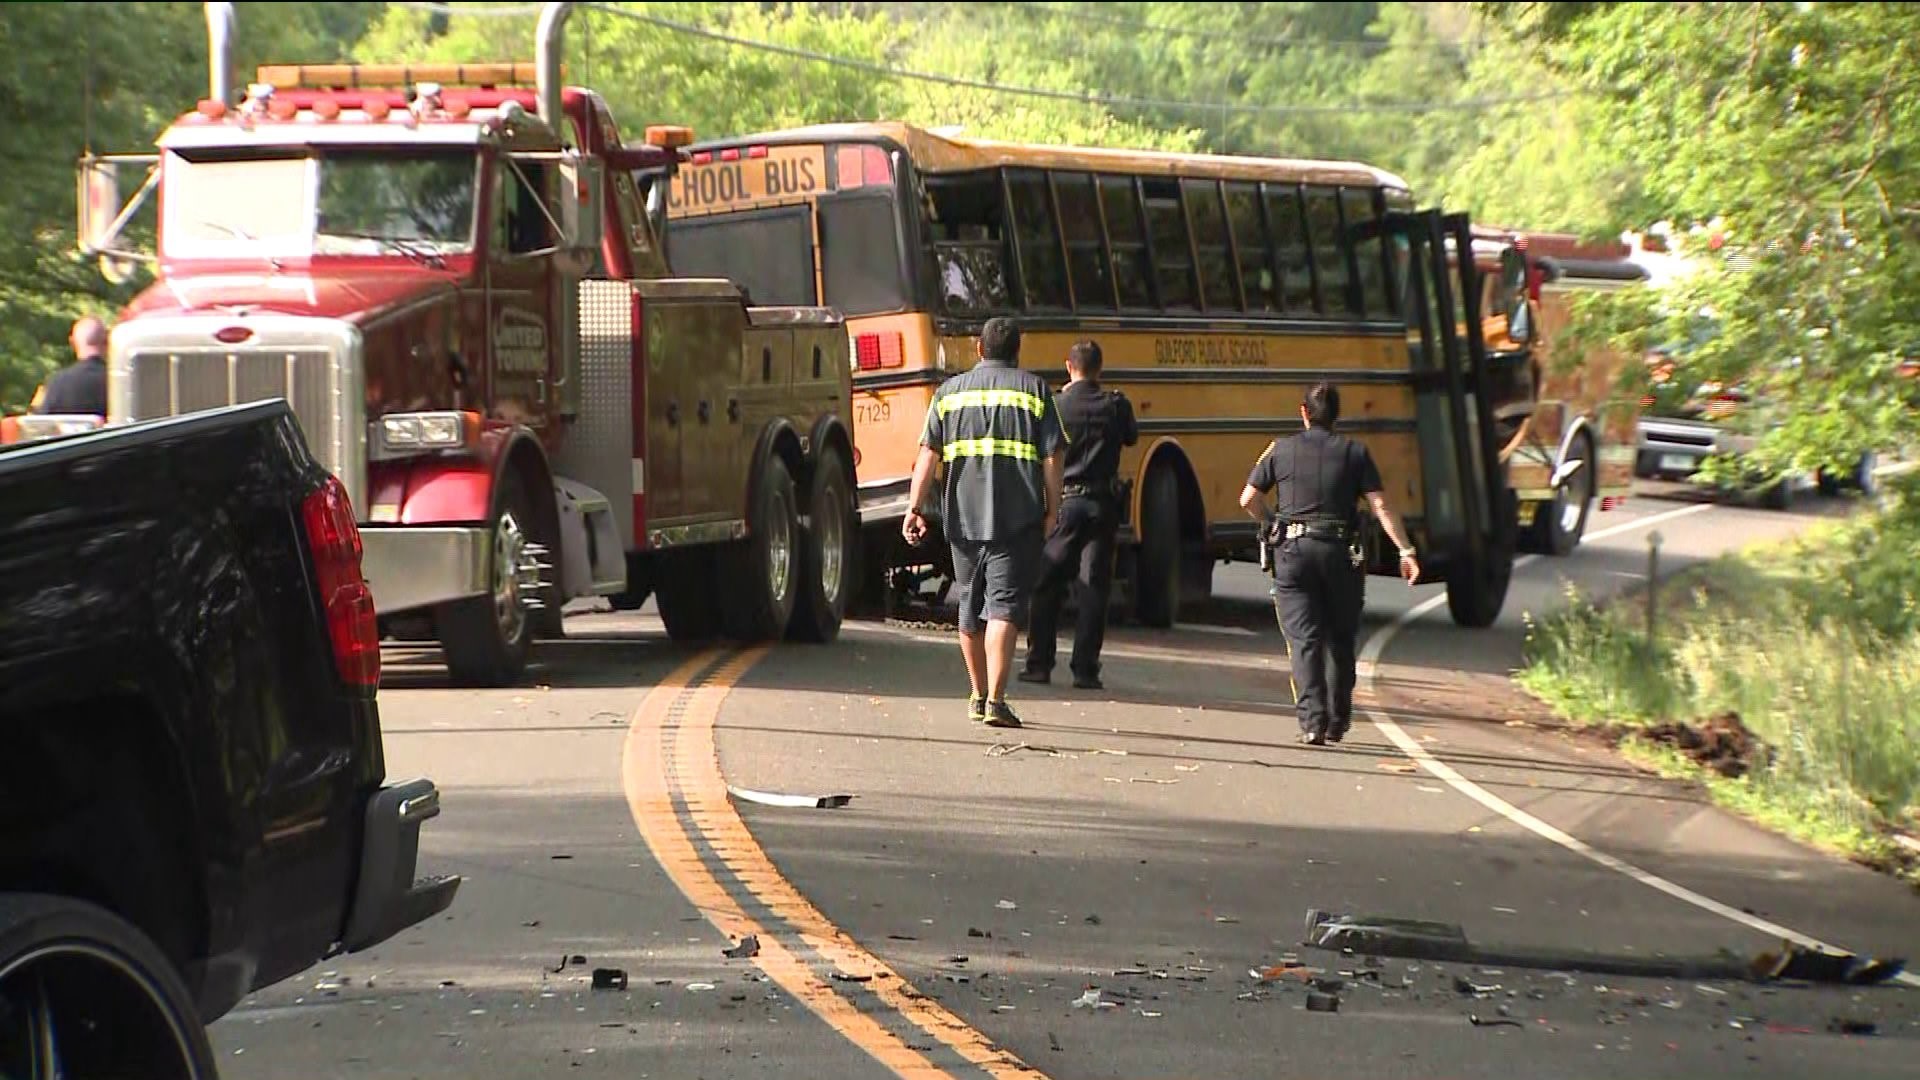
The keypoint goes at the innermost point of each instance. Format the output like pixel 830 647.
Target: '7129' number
pixel 872 412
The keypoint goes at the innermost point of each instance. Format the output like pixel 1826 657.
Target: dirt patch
pixel 1722 744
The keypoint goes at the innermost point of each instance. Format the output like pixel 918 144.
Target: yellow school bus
pixel 1219 288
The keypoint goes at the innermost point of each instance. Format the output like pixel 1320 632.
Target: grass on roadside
pixel 1813 644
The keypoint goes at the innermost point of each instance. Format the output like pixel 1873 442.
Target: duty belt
pixel 1318 532
pixel 1090 491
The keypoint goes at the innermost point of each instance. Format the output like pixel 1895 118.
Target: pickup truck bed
pixel 187 707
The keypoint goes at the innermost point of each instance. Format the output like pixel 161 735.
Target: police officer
pixel 1098 423
pixel 81 387
pixel 1318 479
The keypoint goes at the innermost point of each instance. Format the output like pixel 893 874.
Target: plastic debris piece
pixel 1710 991
pixel 1150 1015
pixel 841 976
pixel 1149 780
pixel 749 947
pixel 1464 985
pixel 609 979
pixel 1007 905
pixel 1053 1042
pixel 1092 920
pixel 1322 1002
pixel 1225 919
pixel 1492 1021
pixel 1843 1025
pixel 974 931
pixel 798 802
pixel 695 988
pixel 1399 766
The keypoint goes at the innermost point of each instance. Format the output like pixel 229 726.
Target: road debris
pixel 1149 780
pixel 1464 985
pixel 1095 1000
pixel 1184 768
pixel 1110 753
pixel 1007 905
pixel 1842 1025
pixel 1227 919
pixel 698 988
pixel 559 858
pixel 1009 749
pixel 1811 965
pixel 1398 766
pixel 1322 1002
pixel 1092 920
pixel 841 976
pixel 748 947
pixel 1492 1021
pixel 1151 1015
pixel 797 802
pixel 1710 991
pixel 609 979
pixel 976 932
pixel 1053 1042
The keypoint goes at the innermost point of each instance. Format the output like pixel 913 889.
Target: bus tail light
pixel 704 157
pixel 334 540
pixel 872 352
pixel 756 151
pixel 731 153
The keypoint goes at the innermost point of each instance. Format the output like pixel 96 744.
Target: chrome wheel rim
pixel 832 530
pixel 509 562
pixel 780 553
pixel 29 984
pixel 1571 499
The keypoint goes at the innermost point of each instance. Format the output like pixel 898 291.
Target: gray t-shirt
pixel 993 427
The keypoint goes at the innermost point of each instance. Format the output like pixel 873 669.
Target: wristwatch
pixel 1407 553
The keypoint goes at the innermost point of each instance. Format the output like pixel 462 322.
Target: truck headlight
pixel 405 433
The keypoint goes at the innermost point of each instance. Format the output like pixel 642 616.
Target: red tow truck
pixel 458 281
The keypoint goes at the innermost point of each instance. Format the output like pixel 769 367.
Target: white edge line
pixel 1369 660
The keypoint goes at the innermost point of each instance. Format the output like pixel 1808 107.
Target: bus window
pixel 1329 251
pixel 1367 249
pixel 1290 248
pixel 968 233
pixel 1250 242
pixel 859 259
pixel 1086 247
pixel 1132 270
pixel 1042 272
pixel 1173 259
pixel 769 253
pixel 1220 289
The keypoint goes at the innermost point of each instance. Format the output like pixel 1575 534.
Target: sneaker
pixel 1000 714
pixel 976 709
pixel 1029 675
pixel 1312 738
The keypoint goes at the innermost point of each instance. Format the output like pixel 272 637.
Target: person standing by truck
pixel 80 387
pixel 1098 422
pixel 998 432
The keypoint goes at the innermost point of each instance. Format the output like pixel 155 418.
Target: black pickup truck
pixel 192 789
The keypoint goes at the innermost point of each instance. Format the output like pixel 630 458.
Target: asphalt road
pixel 1154 842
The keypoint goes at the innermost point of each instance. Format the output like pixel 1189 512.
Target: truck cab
pixel 452 275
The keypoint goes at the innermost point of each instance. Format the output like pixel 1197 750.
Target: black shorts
pixel 996 578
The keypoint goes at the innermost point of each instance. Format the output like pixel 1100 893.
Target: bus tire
pixel 1477 591
pixel 101 983
pixel 829 556
pixel 488 640
pixel 759 574
pixel 684 588
pixel 1156 586
pixel 1558 525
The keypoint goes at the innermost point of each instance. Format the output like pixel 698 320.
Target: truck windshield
pixel 336 202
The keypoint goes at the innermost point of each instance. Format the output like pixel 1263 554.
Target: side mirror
pixel 103 213
pixel 581 179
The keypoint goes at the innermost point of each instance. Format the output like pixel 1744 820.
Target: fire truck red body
pixel 460 284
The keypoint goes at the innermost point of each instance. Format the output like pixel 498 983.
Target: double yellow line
pixel 670 771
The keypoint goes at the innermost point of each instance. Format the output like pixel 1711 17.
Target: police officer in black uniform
pixel 1098 423
pixel 82 386
pixel 1318 479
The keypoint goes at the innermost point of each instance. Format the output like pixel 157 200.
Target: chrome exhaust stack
pixel 220 53
pixel 550 49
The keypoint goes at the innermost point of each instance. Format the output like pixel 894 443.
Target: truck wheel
pixel 1779 496
pixel 828 558
pixel 686 590
pixel 1477 592
pixel 1866 478
pixel 762 573
pixel 1558 525
pixel 83 993
pixel 1156 587
pixel 487 639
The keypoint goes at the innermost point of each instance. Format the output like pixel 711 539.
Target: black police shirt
pixel 1318 477
pixel 1098 423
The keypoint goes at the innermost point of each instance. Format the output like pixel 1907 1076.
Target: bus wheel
pixel 1156 586
pixel 85 993
pixel 1477 592
pixel 760 574
pixel 1558 525
pixel 827 555
pixel 487 639
pixel 684 589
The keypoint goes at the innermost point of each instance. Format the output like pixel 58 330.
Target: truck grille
pixel 173 383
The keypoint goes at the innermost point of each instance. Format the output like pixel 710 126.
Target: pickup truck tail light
pixel 334 540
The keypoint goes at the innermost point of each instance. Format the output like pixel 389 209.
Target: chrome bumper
pixel 388 898
pixel 409 568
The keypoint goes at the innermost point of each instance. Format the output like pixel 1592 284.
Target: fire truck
pixel 456 276
pixel 1566 423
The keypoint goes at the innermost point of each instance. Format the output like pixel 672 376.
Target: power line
pixel 1076 12
pixel 1085 97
